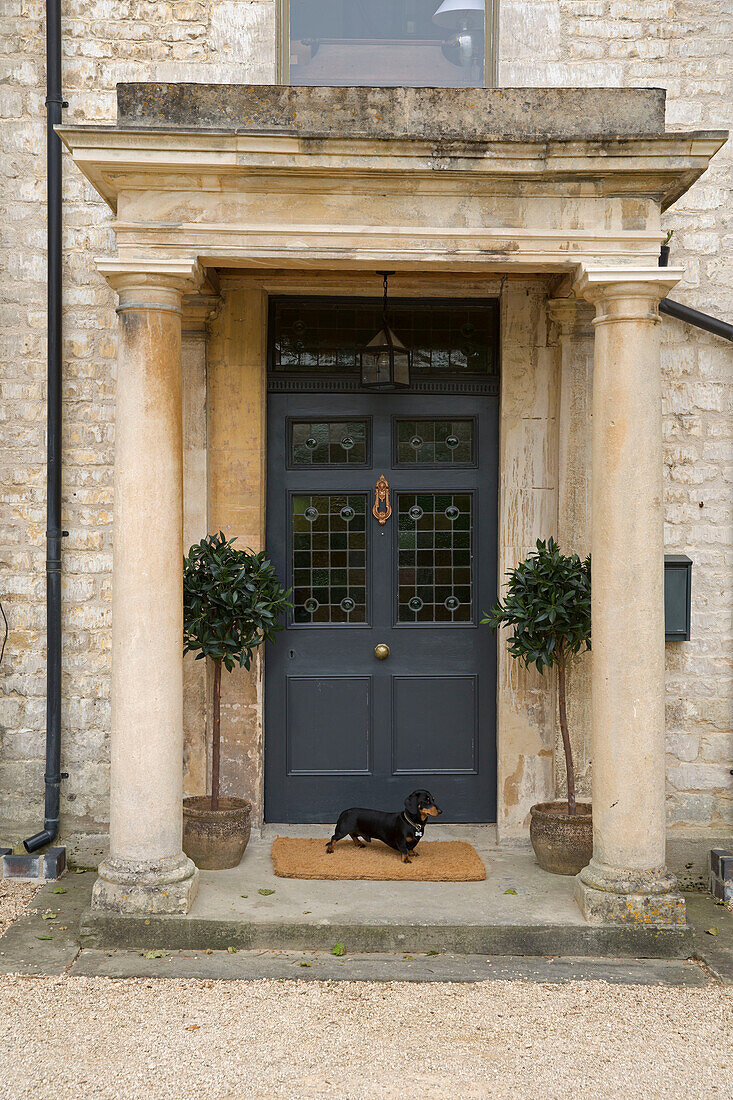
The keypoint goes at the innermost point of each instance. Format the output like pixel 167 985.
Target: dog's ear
pixel 411 804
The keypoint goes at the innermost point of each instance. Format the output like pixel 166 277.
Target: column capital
pixel 625 293
pixel 198 310
pixel 571 314
pixel 150 284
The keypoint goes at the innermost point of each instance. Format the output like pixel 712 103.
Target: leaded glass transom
pixel 327 335
pixel 329 443
pixel 329 558
pixel 434 572
pixel 435 443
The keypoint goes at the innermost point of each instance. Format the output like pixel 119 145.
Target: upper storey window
pixel 412 43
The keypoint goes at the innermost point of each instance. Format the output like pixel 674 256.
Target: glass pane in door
pixel 329 558
pixel 434 574
pixel 435 443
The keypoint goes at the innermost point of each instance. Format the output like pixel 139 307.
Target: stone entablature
pixel 229 198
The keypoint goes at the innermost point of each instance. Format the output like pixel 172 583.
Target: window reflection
pixel 412 43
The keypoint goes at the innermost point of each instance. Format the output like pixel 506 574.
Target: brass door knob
pixel 381 651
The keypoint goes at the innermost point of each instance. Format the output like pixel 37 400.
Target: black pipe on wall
pixel 54 534
pixel 687 314
pixel 695 317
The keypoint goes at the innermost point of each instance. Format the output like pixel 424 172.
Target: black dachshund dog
pixel 400 831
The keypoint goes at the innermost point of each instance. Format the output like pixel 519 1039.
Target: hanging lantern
pixel 385 361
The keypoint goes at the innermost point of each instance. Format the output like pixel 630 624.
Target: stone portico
pixel 550 200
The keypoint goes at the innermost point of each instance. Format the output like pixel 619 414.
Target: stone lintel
pixel 428 114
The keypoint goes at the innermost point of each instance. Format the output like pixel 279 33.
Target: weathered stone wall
pixel 686 47
pixel 683 45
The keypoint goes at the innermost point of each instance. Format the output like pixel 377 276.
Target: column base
pixel 609 895
pixel 146 886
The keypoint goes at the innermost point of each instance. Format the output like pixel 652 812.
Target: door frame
pixel 474 386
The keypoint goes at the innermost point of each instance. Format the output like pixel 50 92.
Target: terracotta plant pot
pixel 563 843
pixel 215 839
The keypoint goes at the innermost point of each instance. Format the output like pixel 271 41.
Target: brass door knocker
pixel 381 496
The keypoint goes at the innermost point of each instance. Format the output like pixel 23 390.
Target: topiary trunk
pixel 216 737
pixel 566 736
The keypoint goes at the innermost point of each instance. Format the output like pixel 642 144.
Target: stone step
pixel 101 930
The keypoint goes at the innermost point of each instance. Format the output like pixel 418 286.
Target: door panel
pixel 434 725
pixel 319 704
pixel 342 727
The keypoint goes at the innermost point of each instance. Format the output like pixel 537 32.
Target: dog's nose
pixel 439 810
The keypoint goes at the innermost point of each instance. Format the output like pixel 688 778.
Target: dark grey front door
pixel 343 727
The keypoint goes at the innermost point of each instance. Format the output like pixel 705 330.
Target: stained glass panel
pixel 329 558
pixel 435 533
pixel 435 442
pixel 329 443
pixel 327 335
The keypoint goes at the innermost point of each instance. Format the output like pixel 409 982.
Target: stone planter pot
pixel 562 843
pixel 215 839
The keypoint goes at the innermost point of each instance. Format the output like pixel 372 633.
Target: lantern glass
pixel 385 362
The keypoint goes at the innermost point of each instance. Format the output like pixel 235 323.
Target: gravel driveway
pixel 14 899
pixel 69 1037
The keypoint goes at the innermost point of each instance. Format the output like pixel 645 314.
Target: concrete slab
pixel 380 967
pixel 517 910
pixel 712 925
pixel 34 945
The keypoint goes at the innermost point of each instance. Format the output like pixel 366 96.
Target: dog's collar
pixel 417 827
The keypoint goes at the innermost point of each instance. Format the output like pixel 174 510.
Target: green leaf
pixel 265 893
pixel 510 891
pixel 306 964
pixel 59 890
pixel 338 949
pixel 155 954
pixel 712 931
pixel 232 950
pixel 44 937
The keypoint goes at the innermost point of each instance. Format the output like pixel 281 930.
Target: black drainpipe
pixel 54 534
pixel 687 314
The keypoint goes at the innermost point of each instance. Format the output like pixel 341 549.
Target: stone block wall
pixel 685 46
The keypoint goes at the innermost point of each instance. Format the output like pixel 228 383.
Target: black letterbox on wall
pixel 677 587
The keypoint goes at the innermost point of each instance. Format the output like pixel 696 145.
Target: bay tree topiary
pixel 547 603
pixel 232 603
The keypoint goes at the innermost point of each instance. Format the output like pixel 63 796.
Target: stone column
pixel 573 318
pixel 147 871
pixel 627 880
pixel 197 311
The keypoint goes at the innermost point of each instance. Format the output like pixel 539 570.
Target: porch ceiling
pixel 273 197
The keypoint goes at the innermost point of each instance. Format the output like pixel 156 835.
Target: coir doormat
pixel 438 861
